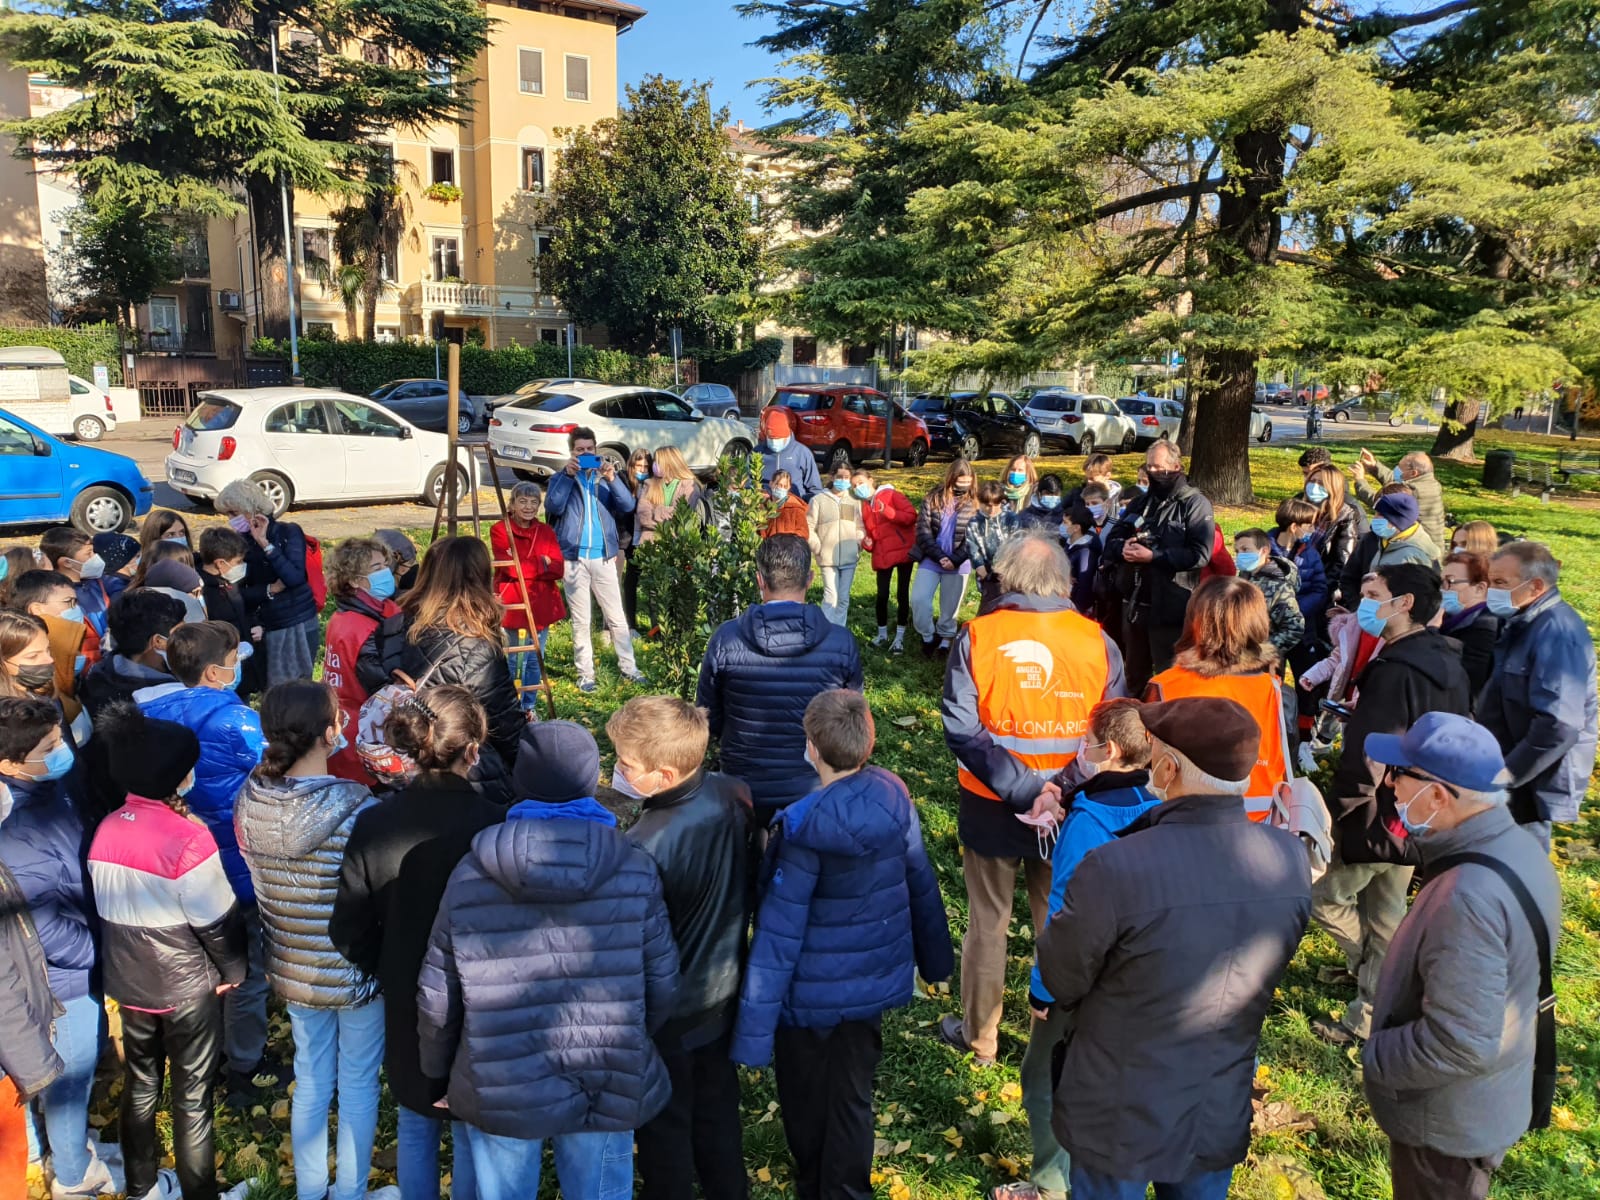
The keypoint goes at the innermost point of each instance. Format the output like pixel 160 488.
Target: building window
pixel 530 72
pixel 444 166
pixel 321 330
pixel 805 351
pixel 439 73
pixel 544 244
pixel 387 333
pixel 754 200
pixel 550 336
pixel 375 53
pixel 389 259
pixel 532 169
pixel 314 249
pixel 577 77
pixel 164 332
pixel 446 258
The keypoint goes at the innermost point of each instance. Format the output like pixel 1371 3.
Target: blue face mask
pixel 1451 602
pixel 1049 503
pixel 1383 528
pixel 1397 476
pixel 841 485
pixel 340 744
pixel 1247 560
pixel 187 785
pixel 1097 511
pixel 1500 602
pixel 641 476
pixel 380 584
pixel 177 539
pixel 1367 616
pixel 1316 493
pixel 57 762
pixel 779 495
pixel 863 492
pixel 75 613
pixel 78 664
pixel 1016 478
pixel 1403 811
pixel 778 444
pixel 238 677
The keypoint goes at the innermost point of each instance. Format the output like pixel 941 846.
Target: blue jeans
pixel 343 1046
pixel 589 1166
pixel 64 1105
pixel 417 1168
pixel 1091 1185
pixel 527 665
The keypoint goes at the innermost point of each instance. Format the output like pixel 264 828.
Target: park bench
pixel 1531 475
pixel 1577 462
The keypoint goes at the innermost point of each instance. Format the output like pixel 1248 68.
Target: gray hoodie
pixel 292 832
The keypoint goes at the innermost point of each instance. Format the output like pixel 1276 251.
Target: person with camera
pixel 583 502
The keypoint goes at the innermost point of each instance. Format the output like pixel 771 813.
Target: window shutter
pixel 531 71
pixel 577 78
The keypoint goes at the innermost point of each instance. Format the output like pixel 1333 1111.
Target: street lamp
pixel 288 229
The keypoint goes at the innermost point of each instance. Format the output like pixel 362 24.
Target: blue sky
pixel 703 40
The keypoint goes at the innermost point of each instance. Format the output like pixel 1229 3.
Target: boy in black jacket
pixel 696 826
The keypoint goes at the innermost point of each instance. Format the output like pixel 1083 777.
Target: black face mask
pixel 1162 482
pixel 37 676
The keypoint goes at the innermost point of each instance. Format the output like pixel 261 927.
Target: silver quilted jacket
pixel 292 832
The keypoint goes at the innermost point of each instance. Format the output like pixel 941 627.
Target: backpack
pixel 314 575
pixel 389 766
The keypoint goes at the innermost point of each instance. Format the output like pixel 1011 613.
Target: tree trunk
pixel 1454 439
pixel 266 207
pixel 369 305
pixel 1220 463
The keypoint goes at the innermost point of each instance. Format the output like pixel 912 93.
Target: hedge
pixel 360 367
pixel 83 347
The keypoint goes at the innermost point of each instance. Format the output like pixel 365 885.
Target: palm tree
pixel 364 235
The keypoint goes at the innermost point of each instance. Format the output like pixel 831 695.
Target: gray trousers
pixel 1051 1164
pixel 244 1009
pixel 951 586
pixel 292 652
pixel 1361 905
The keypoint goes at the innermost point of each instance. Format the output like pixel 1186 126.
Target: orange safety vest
pixel 1259 695
pixel 1038 675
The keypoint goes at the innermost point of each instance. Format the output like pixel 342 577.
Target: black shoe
pixel 930 647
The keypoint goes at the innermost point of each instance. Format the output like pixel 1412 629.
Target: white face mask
pixel 92 567
pixel 6 801
pixel 236 572
pixel 621 783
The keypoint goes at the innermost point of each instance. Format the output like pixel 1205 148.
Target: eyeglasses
pixel 1394 773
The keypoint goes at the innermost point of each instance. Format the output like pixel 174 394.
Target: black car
pixel 424 402
pixel 974 425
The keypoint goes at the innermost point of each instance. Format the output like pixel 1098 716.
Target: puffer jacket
pixel 42 845
pixel 1408 546
pixel 478 665
pixel 891 523
pixel 1181 532
pixel 27 1009
pixel 1278 580
pixel 849 913
pixel 118 680
pixel 230 747
pixel 1336 541
pixel 171 930
pixel 930 521
pixel 571 501
pixel 834 520
pixel 550 964
pixel 699 836
pixel 759 672
pixel 293 833
pixel 986 534
pixel 282 561
pixel 1476 630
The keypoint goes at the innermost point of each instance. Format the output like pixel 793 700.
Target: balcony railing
pixel 479 299
pixel 457 295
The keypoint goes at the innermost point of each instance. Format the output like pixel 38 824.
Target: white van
pixel 35 384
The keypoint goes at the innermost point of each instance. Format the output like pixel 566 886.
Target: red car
pixel 843 424
pixel 1312 391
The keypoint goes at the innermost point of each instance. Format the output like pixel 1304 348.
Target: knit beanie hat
pixel 775 422
pixel 557 761
pixel 1400 508
pixel 146 757
pixel 117 549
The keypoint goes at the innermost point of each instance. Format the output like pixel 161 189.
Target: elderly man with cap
pixel 550 965
pixel 1453 1069
pixel 780 450
pixel 1396 536
pixel 1168 947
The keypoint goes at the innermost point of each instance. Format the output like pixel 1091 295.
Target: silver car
pixel 713 399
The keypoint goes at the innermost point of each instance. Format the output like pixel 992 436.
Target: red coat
pixel 348 631
pixel 542 567
pixel 1221 561
pixel 891 523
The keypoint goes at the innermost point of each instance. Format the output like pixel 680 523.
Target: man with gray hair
pixel 1169 946
pixel 1540 699
pixel 1018 690
pixel 1453 1067
pixel 1415 470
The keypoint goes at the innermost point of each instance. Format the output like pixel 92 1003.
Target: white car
pixel 1159 419
pixel 92 415
pixel 1081 424
pixel 308 445
pixel 536 430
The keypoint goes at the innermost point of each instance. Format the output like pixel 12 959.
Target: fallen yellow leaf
pixel 764 1175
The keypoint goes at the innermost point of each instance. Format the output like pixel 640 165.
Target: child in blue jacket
pixel 1083 553
pixel 1103 791
pixel 849 913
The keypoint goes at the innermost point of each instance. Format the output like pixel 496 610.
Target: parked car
pixel 1317 391
pixel 713 399
pixel 1274 393
pixel 1375 406
pixel 308 444
pixel 1260 425
pixel 975 425
pixel 1155 417
pixel 92 415
pixel 425 403
pixel 844 423
pixel 490 403
pixel 1081 424
pixel 46 479
pixel 39 389
pixel 535 429
pixel 934 409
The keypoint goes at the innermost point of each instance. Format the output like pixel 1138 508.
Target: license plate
pixel 181 476
pixel 513 452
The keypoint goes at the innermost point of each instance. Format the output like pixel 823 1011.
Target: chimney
pixel 739 124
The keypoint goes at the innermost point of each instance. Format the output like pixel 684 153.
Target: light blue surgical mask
pixel 1316 493
pixel 176 539
pixel 1367 616
pixel 863 491
pixel 1383 528
pixel 238 677
pixel 779 495
pixel 1451 602
pixel 1247 560
pixel 57 761
pixel 841 485
pixel 340 744
pixel 1500 602
pixel 777 445
pixel 1049 503
pixel 1097 511
pixel 187 785
pixel 75 613
pixel 1017 478
pixel 1403 811
pixel 380 584
pixel 78 664
pixel 1397 476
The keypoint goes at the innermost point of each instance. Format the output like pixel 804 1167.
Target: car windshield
pixel 930 404
pixel 212 414
pixel 544 402
pixel 529 389
pixel 388 388
pixel 799 401
pixel 1137 408
pixel 1048 403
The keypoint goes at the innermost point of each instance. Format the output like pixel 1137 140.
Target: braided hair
pixel 294 717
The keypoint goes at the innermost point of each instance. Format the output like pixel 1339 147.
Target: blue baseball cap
pixel 1451 748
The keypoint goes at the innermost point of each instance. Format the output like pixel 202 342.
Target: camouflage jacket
pixel 1279 581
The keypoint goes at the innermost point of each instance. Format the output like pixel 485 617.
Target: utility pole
pixel 288 232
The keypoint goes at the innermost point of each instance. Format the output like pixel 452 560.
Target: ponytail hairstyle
pixel 294 716
pixel 436 726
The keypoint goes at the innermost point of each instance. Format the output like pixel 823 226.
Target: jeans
pixel 699 1133
pixel 902 594
pixel 417 1157
pixel 343 1046
pixel 244 1009
pixel 951 587
pixel 63 1107
pixel 1051 1163
pixel 590 1166
pixel 526 666
pixel 836 583
pixel 596 579
pixel 189 1041
pixel 1361 905
pixel 1091 1185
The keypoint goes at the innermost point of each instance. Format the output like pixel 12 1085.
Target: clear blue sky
pixel 705 40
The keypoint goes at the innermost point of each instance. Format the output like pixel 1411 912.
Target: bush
pixel 82 347
pixel 359 367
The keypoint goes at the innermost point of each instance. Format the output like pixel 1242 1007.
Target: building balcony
pixel 478 300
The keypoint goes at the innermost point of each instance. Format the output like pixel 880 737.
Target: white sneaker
pixel 1308 760
pixel 96 1181
pixel 883 637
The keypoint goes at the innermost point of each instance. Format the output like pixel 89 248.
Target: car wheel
pixel 89 429
pixel 276 489
pixel 917 454
pixel 1030 446
pixel 1128 443
pixel 435 485
pixel 463 423
pixel 1266 432
pixel 839 456
pixel 735 450
pixel 1394 420
pixel 1086 444
pixel 1341 416
pixel 101 510
pixel 971 448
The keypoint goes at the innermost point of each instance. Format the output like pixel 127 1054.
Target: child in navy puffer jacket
pixel 850 911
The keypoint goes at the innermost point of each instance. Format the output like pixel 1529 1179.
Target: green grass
pixel 948 1130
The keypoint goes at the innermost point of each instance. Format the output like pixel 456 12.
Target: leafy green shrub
pixel 82 347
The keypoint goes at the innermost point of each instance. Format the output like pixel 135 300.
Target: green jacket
pixel 1430 500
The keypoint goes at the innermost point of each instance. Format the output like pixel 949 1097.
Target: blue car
pixel 45 480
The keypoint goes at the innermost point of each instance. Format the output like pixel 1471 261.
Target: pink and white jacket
pixel 171 929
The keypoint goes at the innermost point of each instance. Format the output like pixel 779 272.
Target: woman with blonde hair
pixel 453 635
pixel 1020 479
pixel 365 641
pixel 1226 652
pixel 941 551
pixel 1340 524
pixel 1475 537
pixel 671 483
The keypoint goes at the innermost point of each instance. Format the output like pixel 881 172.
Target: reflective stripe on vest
pixel 1258 694
pixel 1038 674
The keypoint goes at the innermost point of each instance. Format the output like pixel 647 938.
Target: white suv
pixel 536 430
pixel 1081 424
